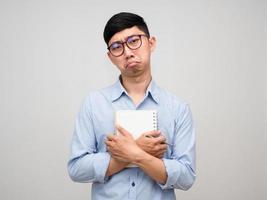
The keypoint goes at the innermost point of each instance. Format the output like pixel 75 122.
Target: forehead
pixel 122 35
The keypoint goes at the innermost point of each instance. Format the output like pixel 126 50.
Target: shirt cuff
pixel 172 173
pixel 101 163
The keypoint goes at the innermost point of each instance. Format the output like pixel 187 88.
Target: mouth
pixel 131 64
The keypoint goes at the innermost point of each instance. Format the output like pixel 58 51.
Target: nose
pixel 128 52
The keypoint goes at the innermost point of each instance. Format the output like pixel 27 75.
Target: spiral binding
pixel 155 121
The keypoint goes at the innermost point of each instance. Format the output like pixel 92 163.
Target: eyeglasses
pixel 133 42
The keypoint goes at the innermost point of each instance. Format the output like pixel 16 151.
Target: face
pixel 132 63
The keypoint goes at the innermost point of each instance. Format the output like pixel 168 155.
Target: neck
pixel 136 86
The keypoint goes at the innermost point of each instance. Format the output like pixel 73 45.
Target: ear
pixel 110 57
pixel 152 43
pixel 108 53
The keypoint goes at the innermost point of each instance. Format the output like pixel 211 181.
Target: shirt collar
pixel 152 91
pixel 118 90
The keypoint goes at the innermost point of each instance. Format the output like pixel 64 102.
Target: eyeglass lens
pixel 132 42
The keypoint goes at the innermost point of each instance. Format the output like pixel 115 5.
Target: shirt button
pixel 133 184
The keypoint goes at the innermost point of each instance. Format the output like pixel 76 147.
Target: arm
pixel 124 149
pixel 115 166
pixel 152 166
pixel 86 164
pixel 180 166
pixel 178 171
pixel 151 145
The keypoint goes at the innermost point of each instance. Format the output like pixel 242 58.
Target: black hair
pixel 121 21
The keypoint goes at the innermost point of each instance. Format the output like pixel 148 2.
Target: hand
pixel 123 147
pixel 153 143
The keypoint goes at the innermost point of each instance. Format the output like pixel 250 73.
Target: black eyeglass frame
pixel 126 42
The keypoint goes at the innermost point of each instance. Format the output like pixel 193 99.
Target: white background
pixel 211 53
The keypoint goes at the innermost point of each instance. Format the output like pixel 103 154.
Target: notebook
pixel 137 121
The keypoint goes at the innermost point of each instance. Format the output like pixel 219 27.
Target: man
pixel 102 158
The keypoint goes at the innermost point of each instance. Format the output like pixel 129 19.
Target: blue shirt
pixel 89 158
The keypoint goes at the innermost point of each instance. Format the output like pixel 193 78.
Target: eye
pixel 133 40
pixel 115 46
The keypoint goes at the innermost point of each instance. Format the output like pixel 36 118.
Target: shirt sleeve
pixel 86 163
pixel 180 167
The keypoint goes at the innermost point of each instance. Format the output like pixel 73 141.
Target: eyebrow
pixel 120 41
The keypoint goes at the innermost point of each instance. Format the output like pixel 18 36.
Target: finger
pixel 160 156
pixel 109 143
pixel 108 148
pixel 160 148
pixel 160 153
pixel 152 134
pixel 122 131
pixel 110 136
pixel 163 146
pixel 160 139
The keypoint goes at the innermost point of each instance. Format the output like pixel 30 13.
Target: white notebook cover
pixel 137 121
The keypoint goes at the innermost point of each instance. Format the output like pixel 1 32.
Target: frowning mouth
pixel 131 64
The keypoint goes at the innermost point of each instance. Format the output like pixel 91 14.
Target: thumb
pixel 121 130
pixel 153 134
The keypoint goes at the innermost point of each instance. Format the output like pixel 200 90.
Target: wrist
pixel 141 157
